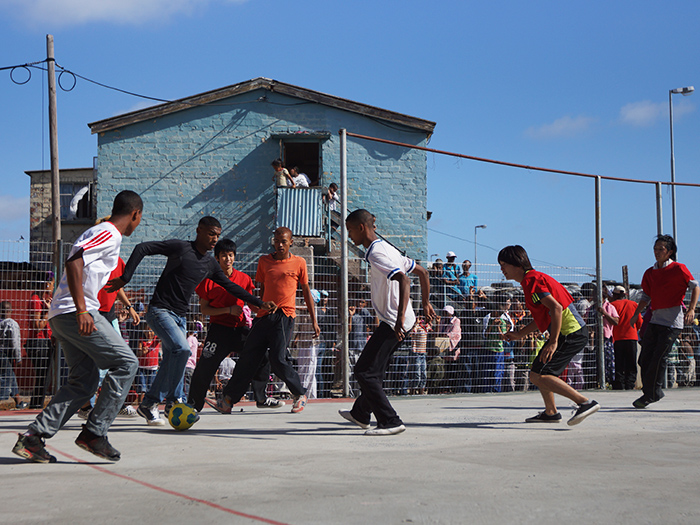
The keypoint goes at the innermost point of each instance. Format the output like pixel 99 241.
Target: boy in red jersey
pixel 552 310
pixel 227 330
pixel 664 286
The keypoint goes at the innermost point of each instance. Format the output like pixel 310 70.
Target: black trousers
pixel 625 365
pixel 221 341
pixel 370 370
pixel 270 334
pixel 656 345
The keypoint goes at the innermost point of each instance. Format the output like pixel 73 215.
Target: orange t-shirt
pixel 281 280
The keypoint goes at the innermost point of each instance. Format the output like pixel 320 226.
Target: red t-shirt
pixel 537 285
pixel 150 360
pixel 666 286
pixel 106 298
pixel 220 298
pixel 622 331
pixel 281 280
pixel 37 306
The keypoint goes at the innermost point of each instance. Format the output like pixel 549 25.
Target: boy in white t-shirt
pixel 89 341
pixel 391 300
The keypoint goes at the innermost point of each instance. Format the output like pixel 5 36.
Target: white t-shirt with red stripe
pixel 100 245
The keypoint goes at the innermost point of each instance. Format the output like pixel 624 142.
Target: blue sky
pixel 565 85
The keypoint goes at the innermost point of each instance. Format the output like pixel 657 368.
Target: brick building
pixel 210 154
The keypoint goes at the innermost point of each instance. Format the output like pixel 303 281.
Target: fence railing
pixel 425 363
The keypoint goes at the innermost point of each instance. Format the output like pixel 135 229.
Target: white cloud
pixel 647 113
pixel 13 208
pixel 79 12
pixel 563 127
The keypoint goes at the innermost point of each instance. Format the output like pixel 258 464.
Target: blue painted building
pixel 210 154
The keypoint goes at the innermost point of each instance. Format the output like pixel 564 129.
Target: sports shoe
pixel 222 406
pixel 21 405
pixel 385 431
pixel 32 448
pixel 151 414
pixel 167 408
pixel 642 402
pixel 347 415
pixel 97 445
pixel 543 417
pixel 84 413
pixel 271 402
pixel 127 411
pixel 299 403
pixel 583 411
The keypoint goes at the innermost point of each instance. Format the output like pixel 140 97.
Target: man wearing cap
pixel 625 340
pixel 451 328
pixel 449 277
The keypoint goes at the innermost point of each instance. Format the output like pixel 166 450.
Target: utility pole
pixel 55 189
pixel 53 142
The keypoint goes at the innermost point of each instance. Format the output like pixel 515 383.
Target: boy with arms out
pixel 552 310
pixel 390 286
pixel 89 342
pixel 279 275
pixel 227 331
pixel 189 263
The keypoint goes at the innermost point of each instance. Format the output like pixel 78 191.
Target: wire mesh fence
pixel 462 352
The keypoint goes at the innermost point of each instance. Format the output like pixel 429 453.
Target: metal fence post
pixel 344 335
pixel 600 342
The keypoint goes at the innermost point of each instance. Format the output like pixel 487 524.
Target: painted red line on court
pixel 167 491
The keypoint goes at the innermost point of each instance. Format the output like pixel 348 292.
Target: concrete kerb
pixel 463 459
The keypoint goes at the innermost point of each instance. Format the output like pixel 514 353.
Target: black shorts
pixel 567 347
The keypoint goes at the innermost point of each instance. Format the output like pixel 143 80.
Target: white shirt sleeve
pixel 389 262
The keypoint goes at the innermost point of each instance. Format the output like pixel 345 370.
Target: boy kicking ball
pixel 552 309
pixel 391 300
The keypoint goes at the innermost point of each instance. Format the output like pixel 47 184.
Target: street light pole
pixel 475 228
pixel 685 91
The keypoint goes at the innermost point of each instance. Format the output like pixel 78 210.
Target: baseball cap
pixel 619 289
pixel 451 254
pixel 449 309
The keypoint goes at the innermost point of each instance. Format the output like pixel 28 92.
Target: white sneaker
pixel 151 414
pixel 347 415
pixel 271 402
pixel 127 411
pixel 389 431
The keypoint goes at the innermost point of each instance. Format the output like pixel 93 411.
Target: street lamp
pixel 685 91
pixel 475 228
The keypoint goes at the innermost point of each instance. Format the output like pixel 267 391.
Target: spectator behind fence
pixel 610 319
pixel 39 345
pixel 327 322
pixel 626 339
pixel 281 177
pixel 10 354
pixel 437 284
pixel 149 354
pixel 508 381
pixel 552 309
pixel 494 328
pixel 307 348
pixel 418 364
pixel 450 279
pixel 450 327
pixel 467 281
pixel 664 286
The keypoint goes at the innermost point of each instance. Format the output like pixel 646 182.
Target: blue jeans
pixel 418 371
pixel 8 379
pixel 86 355
pixel 171 330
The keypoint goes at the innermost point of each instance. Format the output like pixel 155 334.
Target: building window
pixel 306 156
pixel 76 201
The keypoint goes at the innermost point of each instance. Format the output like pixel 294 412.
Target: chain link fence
pixel 461 353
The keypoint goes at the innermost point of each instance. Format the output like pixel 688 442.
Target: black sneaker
pixel 543 417
pixel 642 402
pixel 32 448
pixel 98 445
pixel 583 411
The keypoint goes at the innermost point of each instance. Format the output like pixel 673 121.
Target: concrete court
pixel 463 459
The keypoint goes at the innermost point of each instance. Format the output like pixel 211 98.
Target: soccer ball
pixel 182 416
